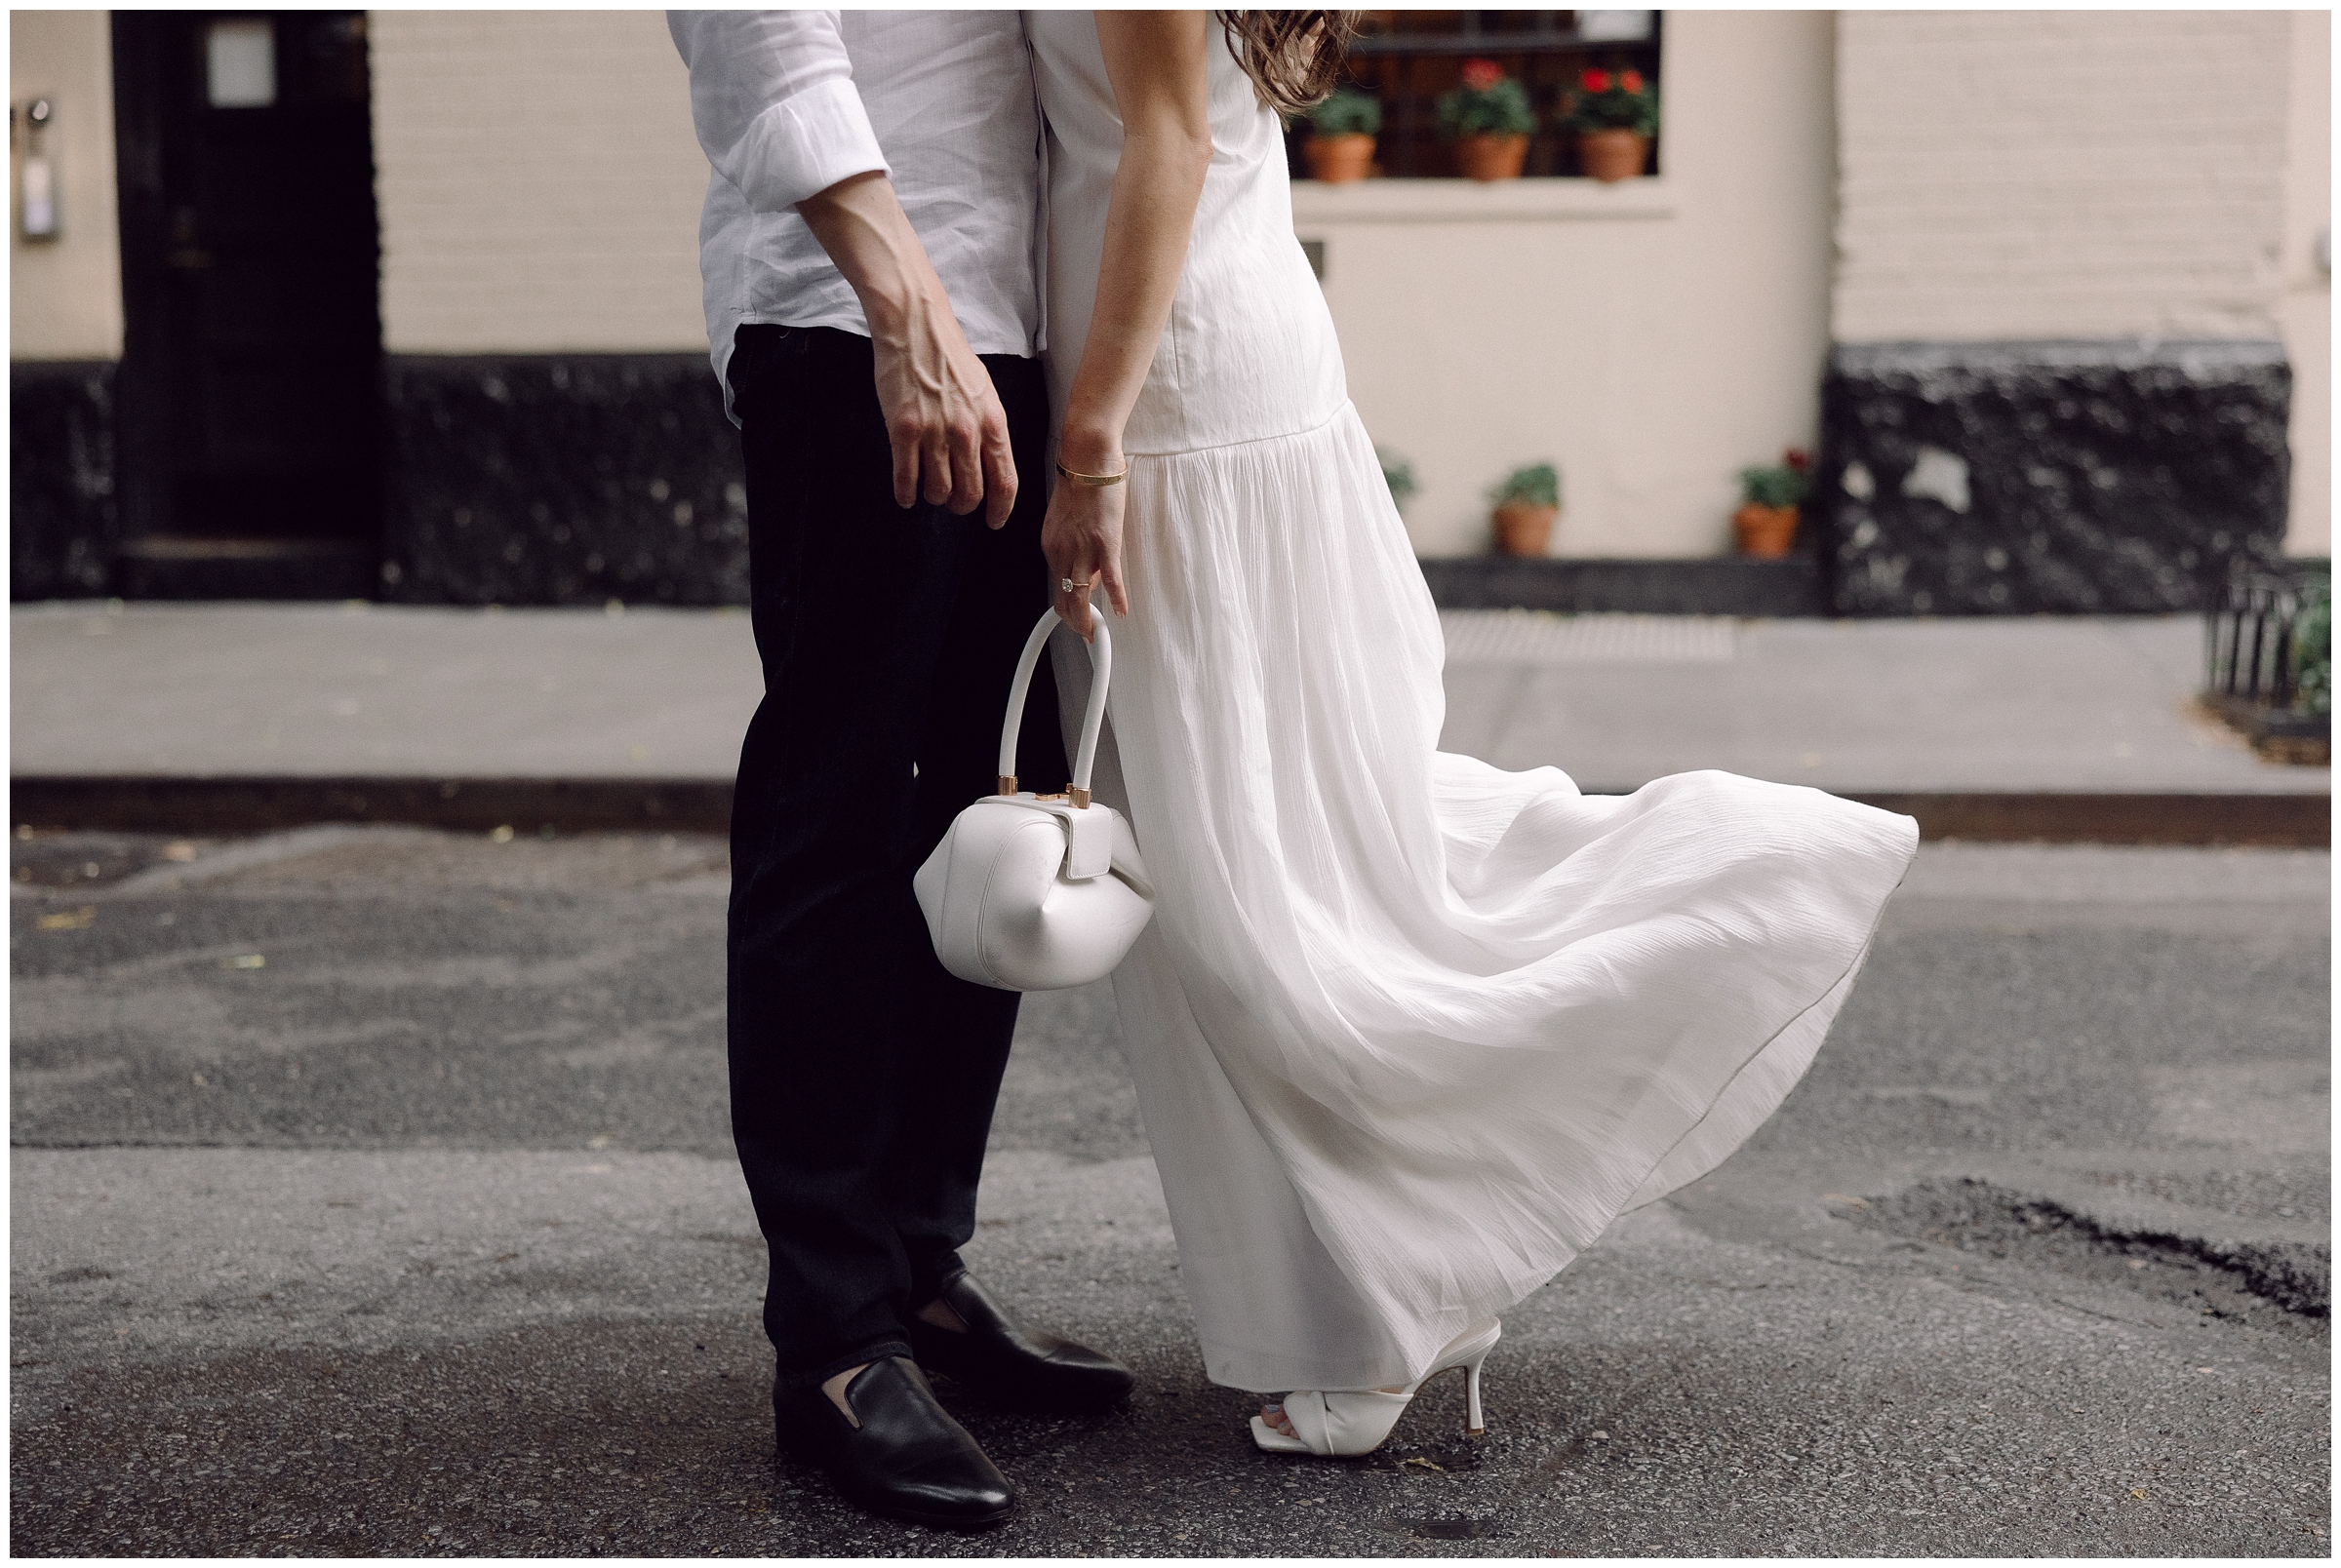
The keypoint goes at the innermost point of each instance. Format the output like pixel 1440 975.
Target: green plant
pixel 1606 102
pixel 1782 483
pixel 1488 104
pixel 1774 485
pixel 2313 646
pixel 1348 113
pixel 1399 474
pixel 1531 484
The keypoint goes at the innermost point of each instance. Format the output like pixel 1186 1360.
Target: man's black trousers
pixel 863 1075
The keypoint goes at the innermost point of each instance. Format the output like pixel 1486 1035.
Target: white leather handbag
pixel 1038 892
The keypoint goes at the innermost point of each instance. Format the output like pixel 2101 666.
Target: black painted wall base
pixel 64 520
pixel 1728 585
pixel 1957 479
pixel 2022 477
pixel 561 480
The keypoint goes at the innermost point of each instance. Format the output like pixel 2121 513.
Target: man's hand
pixel 942 414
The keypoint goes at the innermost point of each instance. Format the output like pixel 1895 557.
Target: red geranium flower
pixel 1631 81
pixel 1482 74
pixel 1798 459
pixel 1595 81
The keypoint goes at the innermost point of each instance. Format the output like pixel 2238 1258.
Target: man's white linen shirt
pixel 788 103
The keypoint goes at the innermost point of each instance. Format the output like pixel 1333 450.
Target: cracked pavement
pixel 371 1193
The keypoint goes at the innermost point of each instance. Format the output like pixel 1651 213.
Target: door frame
pixel 146 70
pixel 144 455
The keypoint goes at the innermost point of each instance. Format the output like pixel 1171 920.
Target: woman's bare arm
pixel 1157 63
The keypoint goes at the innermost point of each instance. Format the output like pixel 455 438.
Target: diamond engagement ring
pixel 1066 585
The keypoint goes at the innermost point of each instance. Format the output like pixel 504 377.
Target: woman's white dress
pixel 1407 1030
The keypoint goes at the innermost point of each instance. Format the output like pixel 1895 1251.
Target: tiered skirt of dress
pixel 1409 1031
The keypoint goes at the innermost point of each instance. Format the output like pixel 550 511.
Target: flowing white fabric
pixel 1407 1030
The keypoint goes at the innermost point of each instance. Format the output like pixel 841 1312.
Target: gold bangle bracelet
pixel 1095 481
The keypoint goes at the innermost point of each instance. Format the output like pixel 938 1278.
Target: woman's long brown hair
pixel 1293 57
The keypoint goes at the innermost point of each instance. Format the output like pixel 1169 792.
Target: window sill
pixel 1316 204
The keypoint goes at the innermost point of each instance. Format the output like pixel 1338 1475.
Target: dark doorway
pixel 250 389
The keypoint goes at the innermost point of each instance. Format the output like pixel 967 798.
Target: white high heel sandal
pixel 1345 1421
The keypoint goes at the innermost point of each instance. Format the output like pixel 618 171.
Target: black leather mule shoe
pixel 907 1460
pixel 1009 1361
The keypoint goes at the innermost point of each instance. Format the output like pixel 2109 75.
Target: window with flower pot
pixel 1428 75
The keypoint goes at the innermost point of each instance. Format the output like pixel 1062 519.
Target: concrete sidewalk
pixel 455 705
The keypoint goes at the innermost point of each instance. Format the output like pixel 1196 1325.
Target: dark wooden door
pixel 253 344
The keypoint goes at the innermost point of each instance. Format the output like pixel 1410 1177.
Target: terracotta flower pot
pixel 1766 533
pixel 1338 160
pixel 1523 529
pixel 1614 155
pixel 1490 156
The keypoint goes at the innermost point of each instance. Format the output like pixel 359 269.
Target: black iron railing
pixel 2250 643
pixel 2268 660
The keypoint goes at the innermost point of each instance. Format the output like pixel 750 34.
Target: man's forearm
pixel 943 418
pixel 862 227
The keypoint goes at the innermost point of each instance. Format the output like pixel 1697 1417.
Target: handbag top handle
pixel 1101 669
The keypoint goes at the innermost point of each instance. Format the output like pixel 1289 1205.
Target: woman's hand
pixel 1082 538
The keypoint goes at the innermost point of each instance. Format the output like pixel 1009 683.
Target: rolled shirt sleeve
pixel 774 102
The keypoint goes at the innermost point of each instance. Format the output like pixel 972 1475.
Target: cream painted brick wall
pixel 65 296
pixel 2306 312
pixel 537 180
pixel 1650 357
pixel 2034 175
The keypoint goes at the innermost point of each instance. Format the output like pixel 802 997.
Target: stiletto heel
pixel 1344 1422
pixel 1473 1425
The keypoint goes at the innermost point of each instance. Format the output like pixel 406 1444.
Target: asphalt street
pixel 371 1193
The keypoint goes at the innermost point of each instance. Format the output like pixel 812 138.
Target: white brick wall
pixel 2306 312
pixel 537 180
pixel 2030 175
